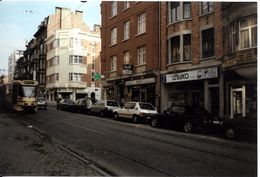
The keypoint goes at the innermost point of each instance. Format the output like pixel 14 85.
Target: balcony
pixel 243 62
pixel 242 57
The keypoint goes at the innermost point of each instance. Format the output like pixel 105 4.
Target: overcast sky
pixel 19 21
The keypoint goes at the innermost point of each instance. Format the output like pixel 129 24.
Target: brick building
pixel 191 55
pixel 240 58
pixel 130 50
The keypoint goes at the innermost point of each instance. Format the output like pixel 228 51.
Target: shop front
pixel 241 95
pixel 141 90
pixel 197 88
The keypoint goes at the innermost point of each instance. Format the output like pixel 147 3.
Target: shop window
pixel 206 7
pixel 208 43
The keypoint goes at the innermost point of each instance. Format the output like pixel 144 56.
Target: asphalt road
pixel 127 149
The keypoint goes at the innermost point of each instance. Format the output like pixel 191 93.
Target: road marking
pixel 89 129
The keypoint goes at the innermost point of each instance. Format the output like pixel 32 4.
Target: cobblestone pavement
pixel 24 153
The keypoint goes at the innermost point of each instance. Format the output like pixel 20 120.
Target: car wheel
pixel 135 119
pixel 154 122
pixel 116 116
pixel 230 133
pixel 187 127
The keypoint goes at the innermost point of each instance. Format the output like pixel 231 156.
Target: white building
pixel 12 63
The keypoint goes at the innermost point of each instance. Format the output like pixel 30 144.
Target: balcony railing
pixel 241 57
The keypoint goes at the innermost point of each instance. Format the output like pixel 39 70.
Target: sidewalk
pixel 23 153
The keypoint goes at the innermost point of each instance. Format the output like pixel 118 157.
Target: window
pixel 113 8
pixel 126 4
pixel 141 55
pixel 248 32
pixel 186 10
pixel 54 44
pixel 93 63
pixel 126 57
pixel 126 30
pixel 113 63
pixel 180 48
pixel 75 42
pixel 175 49
pixel 52 78
pixel 75 59
pixel 233 37
pixel 114 36
pixel 208 43
pixel 75 77
pixel 93 77
pixel 206 7
pixel 53 61
pixel 141 23
pixel 174 12
pixel 187 47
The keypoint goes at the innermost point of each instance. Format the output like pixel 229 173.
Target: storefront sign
pixel 200 74
pixel 140 81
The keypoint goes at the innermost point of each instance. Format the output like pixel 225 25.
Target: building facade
pixel 240 58
pixel 71 48
pixel 191 55
pixel 13 58
pixel 130 51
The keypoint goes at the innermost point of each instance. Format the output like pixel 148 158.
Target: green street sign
pixel 97 76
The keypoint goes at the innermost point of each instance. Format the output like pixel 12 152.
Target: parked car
pixel 136 111
pixel 65 104
pixel 82 105
pixel 104 107
pixel 240 127
pixel 186 118
pixel 42 104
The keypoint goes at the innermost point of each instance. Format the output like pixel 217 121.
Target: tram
pixel 19 95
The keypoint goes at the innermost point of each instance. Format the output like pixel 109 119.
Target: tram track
pixel 149 165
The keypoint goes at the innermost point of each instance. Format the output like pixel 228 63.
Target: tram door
pixel 238 101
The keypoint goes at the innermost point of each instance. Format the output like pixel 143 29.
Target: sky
pixel 19 20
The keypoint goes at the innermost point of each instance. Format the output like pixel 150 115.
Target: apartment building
pixel 73 56
pixel 13 58
pixel 191 44
pixel 240 58
pixel 130 50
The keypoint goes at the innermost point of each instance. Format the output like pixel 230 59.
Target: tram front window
pixel 27 91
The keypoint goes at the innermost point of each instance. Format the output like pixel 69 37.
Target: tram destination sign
pixel 200 74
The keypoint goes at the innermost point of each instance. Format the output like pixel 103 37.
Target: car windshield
pixel 69 101
pixel 146 106
pixel 112 103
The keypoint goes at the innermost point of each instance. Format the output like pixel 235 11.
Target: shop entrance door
pixel 238 102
